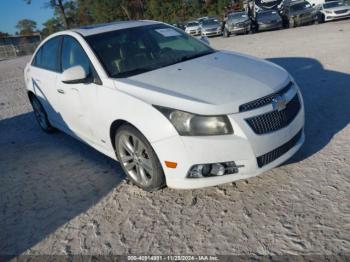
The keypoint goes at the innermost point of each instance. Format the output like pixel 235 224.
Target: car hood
pixel 239 20
pixel 210 26
pixel 196 27
pixel 214 84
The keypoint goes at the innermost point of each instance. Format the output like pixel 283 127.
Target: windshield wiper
pixel 135 71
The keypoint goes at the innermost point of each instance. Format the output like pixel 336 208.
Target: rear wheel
pixel 138 159
pixel 41 116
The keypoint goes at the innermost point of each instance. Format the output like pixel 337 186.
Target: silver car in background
pixel 193 28
pixel 237 23
pixel 211 27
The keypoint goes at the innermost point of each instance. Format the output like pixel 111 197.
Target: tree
pixel 26 26
pixel 3 34
pixel 51 26
pixel 59 7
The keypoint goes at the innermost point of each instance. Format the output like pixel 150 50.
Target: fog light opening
pixel 211 170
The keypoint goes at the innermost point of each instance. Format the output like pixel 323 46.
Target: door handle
pixel 61 91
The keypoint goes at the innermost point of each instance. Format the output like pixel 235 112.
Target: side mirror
pixel 74 75
pixel 205 40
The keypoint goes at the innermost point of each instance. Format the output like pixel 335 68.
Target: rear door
pixel 44 71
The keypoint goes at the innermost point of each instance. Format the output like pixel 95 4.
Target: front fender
pixel 115 105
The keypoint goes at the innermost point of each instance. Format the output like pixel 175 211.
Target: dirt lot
pixel 58 196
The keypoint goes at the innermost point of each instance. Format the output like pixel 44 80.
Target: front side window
pixel 132 51
pixel 47 56
pixel 74 55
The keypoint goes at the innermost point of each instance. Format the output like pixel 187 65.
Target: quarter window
pixel 73 55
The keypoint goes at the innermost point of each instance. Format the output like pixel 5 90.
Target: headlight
pixel 188 124
pixel 328 12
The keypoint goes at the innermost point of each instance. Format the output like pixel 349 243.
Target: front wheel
pixel 138 159
pixel 291 23
pixel 321 18
pixel 226 33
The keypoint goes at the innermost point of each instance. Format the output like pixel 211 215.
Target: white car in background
pixel 193 28
pixel 333 10
pixel 171 109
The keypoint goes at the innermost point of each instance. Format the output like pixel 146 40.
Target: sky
pixel 11 11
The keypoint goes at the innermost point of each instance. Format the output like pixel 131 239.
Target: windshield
pixel 209 22
pixel 300 6
pixel 267 14
pixel 237 15
pixel 136 50
pixel 193 24
pixel 332 4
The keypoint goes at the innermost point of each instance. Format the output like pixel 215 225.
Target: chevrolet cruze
pixel 171 109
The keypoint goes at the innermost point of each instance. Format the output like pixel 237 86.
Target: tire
pixel 138 159
pixel 321 19
pixel 41 116
pixel 291 23
pixel 226 33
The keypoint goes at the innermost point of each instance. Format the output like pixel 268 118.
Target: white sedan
pixel 333 10
pixel 171 109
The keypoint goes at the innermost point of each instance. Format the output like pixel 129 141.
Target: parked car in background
pixel 210 27
pixel 267 20
pixel 333 10
pixel 171 109
pixel 180 25
pixel 237 23
pixel 193 28
pixel 298 13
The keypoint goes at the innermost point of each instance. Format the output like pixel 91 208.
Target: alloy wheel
pixel 135 158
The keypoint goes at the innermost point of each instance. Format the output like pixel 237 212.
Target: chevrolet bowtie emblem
pixel 279 103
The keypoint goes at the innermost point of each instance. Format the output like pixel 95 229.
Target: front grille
pixel 264 100
pixel 279 151
pixel 340 11
pixel 275 120
pixel 210 29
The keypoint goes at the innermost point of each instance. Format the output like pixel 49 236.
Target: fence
pixel 11 51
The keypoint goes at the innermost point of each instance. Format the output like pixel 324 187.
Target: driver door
pixel 78 99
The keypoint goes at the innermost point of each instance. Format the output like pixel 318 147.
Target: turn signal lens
pixel 170 164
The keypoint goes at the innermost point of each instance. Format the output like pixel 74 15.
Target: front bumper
pixel 270 26
pixel 331 17
pixel 238 29
pixel 243 148
pixel 193 32
pixel 212 33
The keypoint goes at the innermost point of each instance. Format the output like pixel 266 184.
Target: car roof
pixel 107 27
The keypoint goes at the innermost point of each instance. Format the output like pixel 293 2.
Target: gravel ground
pixel 59 196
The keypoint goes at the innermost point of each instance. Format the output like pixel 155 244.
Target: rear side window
pixel 73 55
pixel 37 58
pixel 47 56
